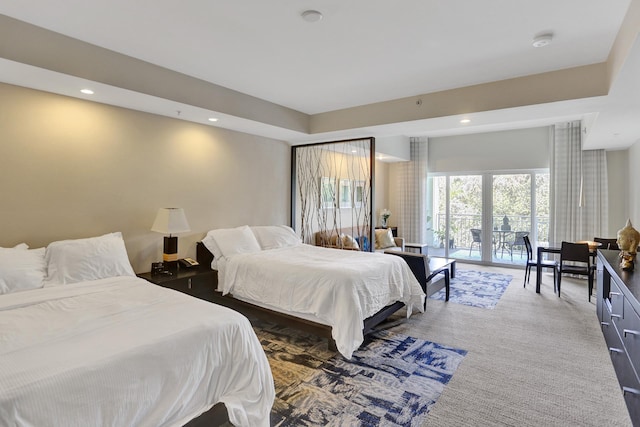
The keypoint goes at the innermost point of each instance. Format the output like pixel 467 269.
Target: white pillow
pixel 349 242
pixel 71 261
pixel 210 243
pixel 275 236
pixel 231 241
pixel 21 269
pixel 21 246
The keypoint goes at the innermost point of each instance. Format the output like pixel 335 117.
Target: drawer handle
pixel 613 294
pixel 630 332
pixel 189 283
pixel 626 390
pixel 604 323
pixel 615 350
pixel 616 316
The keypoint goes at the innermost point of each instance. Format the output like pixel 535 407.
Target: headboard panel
pixel 203 255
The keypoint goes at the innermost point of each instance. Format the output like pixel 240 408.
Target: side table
pixel 422 248
pixel 199 282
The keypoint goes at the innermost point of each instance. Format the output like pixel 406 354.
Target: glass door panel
pixel 437 216
pixel 463 224
pixel 511 217
pixel 465 217
pixel 542 210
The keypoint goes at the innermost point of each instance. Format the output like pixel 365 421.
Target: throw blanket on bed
pixel 339 288
pixel 124 352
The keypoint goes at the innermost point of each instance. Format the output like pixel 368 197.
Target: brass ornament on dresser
pixel 628 241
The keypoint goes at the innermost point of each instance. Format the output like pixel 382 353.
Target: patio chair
pixel 518 240
pixel 476 235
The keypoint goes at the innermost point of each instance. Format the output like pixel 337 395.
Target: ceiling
pixel 362 54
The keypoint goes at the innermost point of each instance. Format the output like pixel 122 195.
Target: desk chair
pixel 575 258
pixel 531 262
pixel 607 243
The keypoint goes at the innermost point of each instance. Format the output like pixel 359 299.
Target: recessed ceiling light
pixel 213 119
pixel 87 91
pixel 542 40
pixel 465 121
pixel 311 15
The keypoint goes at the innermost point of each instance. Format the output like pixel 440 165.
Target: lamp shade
pixel 170 220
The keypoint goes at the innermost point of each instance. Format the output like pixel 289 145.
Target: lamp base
pixel 170 252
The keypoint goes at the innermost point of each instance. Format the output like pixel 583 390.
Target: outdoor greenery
pixel 511 199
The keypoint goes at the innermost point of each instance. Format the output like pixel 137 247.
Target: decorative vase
pixel 628 241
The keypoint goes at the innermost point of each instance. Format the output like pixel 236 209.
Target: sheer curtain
pixel 579 183
pixel 410 197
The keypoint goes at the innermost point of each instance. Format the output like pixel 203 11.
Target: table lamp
pixel 169 221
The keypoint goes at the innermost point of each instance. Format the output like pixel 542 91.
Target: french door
pixel 483 216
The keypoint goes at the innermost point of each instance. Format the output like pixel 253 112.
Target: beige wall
pixel 382 196
pixel 73 168
pixel 618 183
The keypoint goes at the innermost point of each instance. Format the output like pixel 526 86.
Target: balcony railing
pixel 461 224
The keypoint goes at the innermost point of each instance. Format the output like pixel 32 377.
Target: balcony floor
pixel 499 257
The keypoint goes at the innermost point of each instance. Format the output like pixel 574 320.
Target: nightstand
pixel 198 282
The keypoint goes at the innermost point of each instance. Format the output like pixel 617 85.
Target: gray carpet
pixel 535 360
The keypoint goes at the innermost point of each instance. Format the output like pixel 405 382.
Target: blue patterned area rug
pixel 392 380
pixel 476 288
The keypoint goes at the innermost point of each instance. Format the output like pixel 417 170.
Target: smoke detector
pixel 311 15
pixel 542 40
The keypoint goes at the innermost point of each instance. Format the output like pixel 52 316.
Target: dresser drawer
pixel 199 283
pixel 629 330
pixel 617 301
pixel 630 386
pixel 191 285
pixel 611 335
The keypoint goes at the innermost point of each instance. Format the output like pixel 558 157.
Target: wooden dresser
pixel 618 310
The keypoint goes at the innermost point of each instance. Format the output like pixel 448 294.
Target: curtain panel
pixel 579 183
pixel 410 197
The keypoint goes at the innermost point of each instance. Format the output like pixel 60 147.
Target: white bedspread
pixel 339 288
pixel 124 352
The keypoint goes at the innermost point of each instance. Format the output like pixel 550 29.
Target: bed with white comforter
pixel 124 352
pixel 84 342
pixel 329 286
